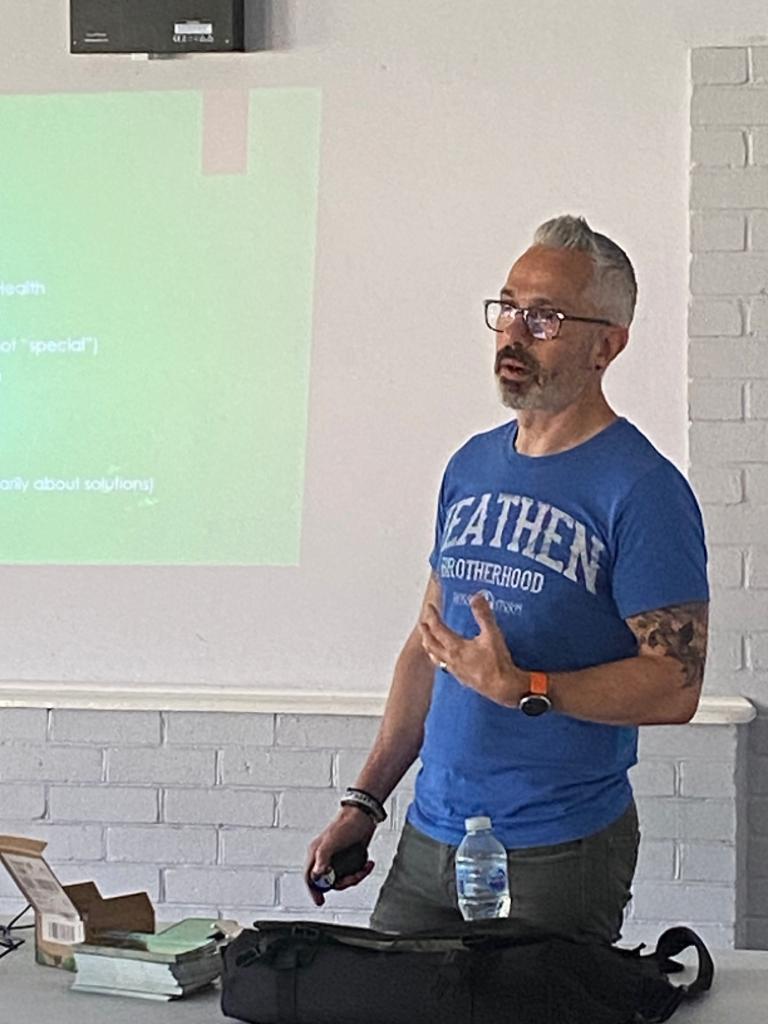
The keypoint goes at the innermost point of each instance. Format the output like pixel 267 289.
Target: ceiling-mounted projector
pixel 156 26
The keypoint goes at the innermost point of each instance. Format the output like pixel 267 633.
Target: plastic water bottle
pixel 482 882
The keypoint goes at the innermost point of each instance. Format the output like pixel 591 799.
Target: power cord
pixel 10 942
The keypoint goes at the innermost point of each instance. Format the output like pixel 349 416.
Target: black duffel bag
pixel 292 972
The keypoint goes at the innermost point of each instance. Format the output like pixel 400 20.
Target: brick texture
pixel 131 727
pixel 729 461
pixel 23 724
pixel 713 231
pixel 722 64
pixel 725 148
pixel 758 230
pixel 236 844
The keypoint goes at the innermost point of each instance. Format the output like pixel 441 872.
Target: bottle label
pixel 324 883
pixel 497 880
pixel 469 883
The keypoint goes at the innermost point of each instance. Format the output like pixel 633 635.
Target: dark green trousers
pixel 578 889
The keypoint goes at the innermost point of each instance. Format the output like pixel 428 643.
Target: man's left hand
pixel 483 662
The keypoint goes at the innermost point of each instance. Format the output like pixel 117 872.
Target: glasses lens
pixel 543 323
pixel 499 315
pixel 493 315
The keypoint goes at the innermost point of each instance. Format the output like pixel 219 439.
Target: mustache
pixel 518 355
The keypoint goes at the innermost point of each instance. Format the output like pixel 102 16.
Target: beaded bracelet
pixel 366 802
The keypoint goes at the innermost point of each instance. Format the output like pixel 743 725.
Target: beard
pixel 524 395
pixel 550 390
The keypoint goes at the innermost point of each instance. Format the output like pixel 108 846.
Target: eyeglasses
pixel 543 324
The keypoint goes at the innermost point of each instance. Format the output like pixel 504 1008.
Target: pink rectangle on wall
pixel 225 131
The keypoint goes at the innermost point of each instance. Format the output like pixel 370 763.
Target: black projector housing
pixel 156 26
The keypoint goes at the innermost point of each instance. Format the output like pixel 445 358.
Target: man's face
pixel 537 374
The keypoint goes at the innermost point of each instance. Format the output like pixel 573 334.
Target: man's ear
pixel 611 344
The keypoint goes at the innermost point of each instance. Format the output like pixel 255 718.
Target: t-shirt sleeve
pixel 440 518
pixel 659 550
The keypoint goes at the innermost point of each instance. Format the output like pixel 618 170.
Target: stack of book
pixel 166 965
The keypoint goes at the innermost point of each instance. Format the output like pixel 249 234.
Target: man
pixel 567 605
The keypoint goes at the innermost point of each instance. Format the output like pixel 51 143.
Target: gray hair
pixel 614 287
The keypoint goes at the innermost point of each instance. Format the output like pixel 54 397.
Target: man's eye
pixel 544 315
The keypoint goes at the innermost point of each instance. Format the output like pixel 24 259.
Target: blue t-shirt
pixel 565 547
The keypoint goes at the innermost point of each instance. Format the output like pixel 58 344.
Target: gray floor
pixel 30 994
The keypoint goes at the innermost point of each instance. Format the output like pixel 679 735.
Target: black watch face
pixel 535 704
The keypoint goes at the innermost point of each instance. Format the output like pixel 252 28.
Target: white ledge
pixel 194 697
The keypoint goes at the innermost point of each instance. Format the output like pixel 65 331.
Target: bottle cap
pixel 475 824
pixel 325 882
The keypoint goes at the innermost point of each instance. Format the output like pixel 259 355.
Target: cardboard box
pixel 68 914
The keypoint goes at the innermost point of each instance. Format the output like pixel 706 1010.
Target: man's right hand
pixel 351 825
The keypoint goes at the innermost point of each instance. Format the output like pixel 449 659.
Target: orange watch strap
pixel 539 683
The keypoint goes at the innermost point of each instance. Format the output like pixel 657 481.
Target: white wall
pixel 449 131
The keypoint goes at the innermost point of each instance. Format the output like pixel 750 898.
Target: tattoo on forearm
pixel 678 632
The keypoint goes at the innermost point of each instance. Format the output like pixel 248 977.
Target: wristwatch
pixel 536 702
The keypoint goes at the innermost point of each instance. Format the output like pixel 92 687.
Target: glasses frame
pixel 525 313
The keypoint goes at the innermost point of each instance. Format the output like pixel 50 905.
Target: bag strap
pixel 673 942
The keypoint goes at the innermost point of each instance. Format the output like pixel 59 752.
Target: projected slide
pixel 156 280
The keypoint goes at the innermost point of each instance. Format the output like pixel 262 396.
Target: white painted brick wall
pixel 728 442
pixel 726 653
pixel 727 358
pixel 67 842
pixel 238 847
pixel 332 731
pixel 728 189
pixel 713 317
pixel 27 762
pixel 716 400
pixel 656 861
pixel 735 273
pixel 713 107
pixel 727 148
pixel 757 230
pixel 714 231
pixel 22 801
pixel 758 317
pixel 306 807
pixel 726 567
pixel 757 573
pixel 653 777
pixel 708 779
pixel 759 57
pixel 757 650
pixel 760 146
pixel 275 767
pixel 757 400
pixel 23 724
pixel 217 886
pixel 756 485
pixel 725 487
pixel 219 806
pixel 729 453
pixel 133 727
pixel 180 764
pixel 726 65
pixel 169 844
pixel 102 803
pixel 197 729
pixel 706 862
